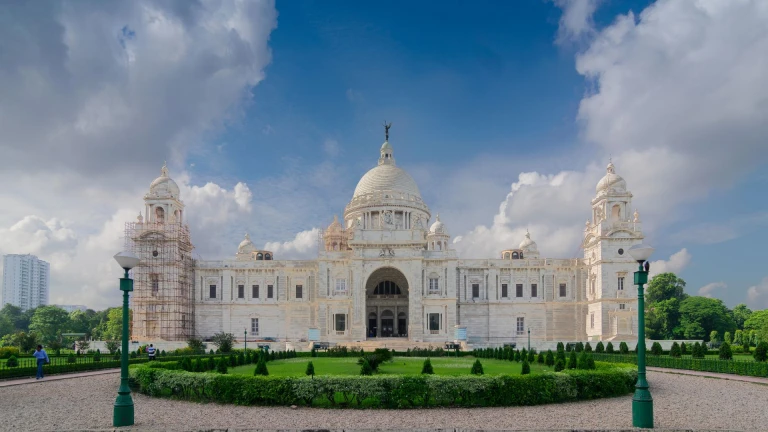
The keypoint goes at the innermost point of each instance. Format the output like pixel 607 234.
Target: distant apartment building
pixel 72 308
pixel 26 281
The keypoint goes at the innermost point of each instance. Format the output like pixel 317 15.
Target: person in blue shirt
pixel 151 351
pixel 42 358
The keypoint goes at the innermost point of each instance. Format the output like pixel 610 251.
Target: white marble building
pixel 387 270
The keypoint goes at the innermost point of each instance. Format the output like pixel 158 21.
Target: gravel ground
pixel 683 402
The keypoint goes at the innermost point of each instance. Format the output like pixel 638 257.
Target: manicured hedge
pixel 386 391
pixel 736 367
pixel 57 367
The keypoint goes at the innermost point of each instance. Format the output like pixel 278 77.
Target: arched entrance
pixel 386 302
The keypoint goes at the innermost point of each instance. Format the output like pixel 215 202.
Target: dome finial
pixel 386 130
pixel 527 234
pixel 247 236
pixel 164 170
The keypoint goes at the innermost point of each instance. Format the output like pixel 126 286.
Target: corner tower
pixel 163 298
pixel 610 292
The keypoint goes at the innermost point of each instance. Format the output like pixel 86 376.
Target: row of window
pixel 622 306
pixel 254 291
pixel 518 290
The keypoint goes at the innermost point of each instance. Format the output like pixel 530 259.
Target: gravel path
pixel 679 401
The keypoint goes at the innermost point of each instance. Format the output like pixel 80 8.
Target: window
pixel 270 291
pixel 241 291
pixel 299 291
pixel 621 283
pixel 434 323
pixel 622 306
pixel 504 291
pixel 562 290
pixel 341 285
pixel 183 320
pixel 592 287
pixel 475 290
pixel 212 291
pixel 387 288
pixel 592 320
pixel 433 285
pixel 255 291
pixel 155 280
pixel 341 322
pixel 520 325
pixel 534 290
pixel 255 326
pixel 518 290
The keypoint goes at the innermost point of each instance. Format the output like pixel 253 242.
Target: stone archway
pixel 386 304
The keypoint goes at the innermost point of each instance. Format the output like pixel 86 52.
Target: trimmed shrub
pixel 623 348
pixel 561 347
pixel 579 347
pixel 540 358
pixel 559 365
pixel 310 370
pixel 588 348
pixel 531 355
pixel 683 348
pixel 745 348
pixel 550 358
pixel 7 352
pixel 517 356
pixel 365 368
pixel 261 366
pixel 572 362
pixel 699 351
pixel 427 367
pixel 609 348
pixel 97 356
pixel 477 368
pixel 728 338
pixel 675 350
pixel 725 352
pixel 71 358
pixel 222 365
pixel 12 361
pixel 240 358
pixel 560 355
pixel 761 352
pixel 313 352
pixel 656 349
pixel 526 368
pixel 600 348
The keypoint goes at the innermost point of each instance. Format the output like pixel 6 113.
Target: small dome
pixel 437 227
pixel 611 180
pixel 164 186
pixel 246 246
pixel 527 244
pixel 335 225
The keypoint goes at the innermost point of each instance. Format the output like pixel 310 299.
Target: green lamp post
pixel 529 339
pixel 642 402
pixel 123 413
pixel 245 340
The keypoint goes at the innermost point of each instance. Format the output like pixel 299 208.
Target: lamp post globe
pixel 123 410
pixel 642 402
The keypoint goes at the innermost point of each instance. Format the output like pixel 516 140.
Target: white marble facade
pixel 387 270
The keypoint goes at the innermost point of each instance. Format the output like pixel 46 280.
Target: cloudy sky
pixel 505 113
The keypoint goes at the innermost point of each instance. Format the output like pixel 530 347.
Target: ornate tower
pixel 611 294
pixel 163 298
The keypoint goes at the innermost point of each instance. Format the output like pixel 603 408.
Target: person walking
pixel 42 358
pixel 151 351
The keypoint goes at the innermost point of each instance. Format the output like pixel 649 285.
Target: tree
pixel 195 345
pixel 599 348
pixel 365 368
pixel 261 366
pixel 713 336
pixel 223 341
pixel 477 368
pixel 559 365
pixel 579 347
pixel 310 370
pixel 526 367
pixel 588 348
pixel 665 286
pixel 572 361
pixel 757 324
pixel 427 367
pixel 683 348
pixel 82 345
pixel 709 313
pixel 25 341
pixel 656 349
pixel 550 359
pixel 738 337
pixel 663 319
pixel 761 352
pixel 110 326
pixel 540 358
pixel 223 364
pixel 741 314
pixel 49 322
pixel 560 346
pixel 725 351
pixel 728 338
pixel 623 348
pixel 609 348
pixel 112 346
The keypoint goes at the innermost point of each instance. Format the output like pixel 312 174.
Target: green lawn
pixel 400 365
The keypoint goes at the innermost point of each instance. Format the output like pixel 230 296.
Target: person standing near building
pixel 151 351
pixel 42 358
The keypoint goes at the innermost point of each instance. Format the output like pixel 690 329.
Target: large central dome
pixel 386 177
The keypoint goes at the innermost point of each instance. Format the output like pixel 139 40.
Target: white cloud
pixel 331 147
pixel 675 264
pixel 354 95
pixel 303 246
pixel 707 289
pixel 757 295
pixel 576 23
pixel 95 97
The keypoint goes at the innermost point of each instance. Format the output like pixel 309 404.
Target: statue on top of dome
pixel 386 130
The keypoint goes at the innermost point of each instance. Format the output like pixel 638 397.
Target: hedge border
pixel 24 372
pixel 735 367
pixel 385 391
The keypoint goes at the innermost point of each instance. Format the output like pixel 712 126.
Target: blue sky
pixel 505 113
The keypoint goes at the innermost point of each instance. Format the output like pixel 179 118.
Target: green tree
pixel 223 341
pixel 757 324
pixel 728 338
pixel 725 352
pixel 741 314
pixel 761 352
pixel 656 349
pixel 623 348
pixel 572 361
pixel 111 325
pixel 600 348
pixel 310 370
pixel 709 313
pixel 365 368
pixel 738 337
pixel 526 367
pixel 477 368
pixel 195 345
pixel 550 359
pixel 609 348
pixel 223 364
pixel 6 325
pixel 261 366
pixel 675 350
pixel 665 286
pixel 713 336
pixel 49 322
pixel 663 319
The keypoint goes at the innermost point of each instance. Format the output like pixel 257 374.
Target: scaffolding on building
pixel 163 294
